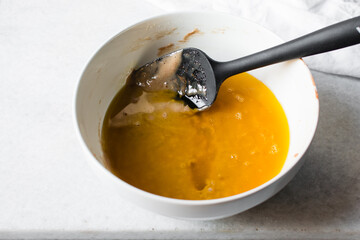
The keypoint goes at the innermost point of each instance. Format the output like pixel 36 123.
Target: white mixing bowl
pixel 222 37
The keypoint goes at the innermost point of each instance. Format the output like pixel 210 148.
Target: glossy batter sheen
pixel 238 144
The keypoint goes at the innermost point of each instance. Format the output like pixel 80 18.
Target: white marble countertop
pixel 47 190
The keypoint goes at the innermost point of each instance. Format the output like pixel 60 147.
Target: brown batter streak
pixel 165 49
pixel 187 36
pixel 164 33
pixel 218 30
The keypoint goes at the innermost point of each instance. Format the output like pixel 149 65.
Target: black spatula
pixel 198 77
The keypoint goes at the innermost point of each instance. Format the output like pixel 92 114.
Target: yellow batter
pixel 156 144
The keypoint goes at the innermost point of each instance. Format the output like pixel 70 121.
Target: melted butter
pixel 157 144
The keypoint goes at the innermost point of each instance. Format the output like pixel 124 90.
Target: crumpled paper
pixel 289 19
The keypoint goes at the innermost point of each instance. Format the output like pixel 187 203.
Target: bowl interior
pixel 223 38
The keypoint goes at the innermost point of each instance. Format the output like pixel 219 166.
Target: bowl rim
pixel 96 163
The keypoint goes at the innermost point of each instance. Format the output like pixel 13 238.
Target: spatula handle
pixel 335 36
